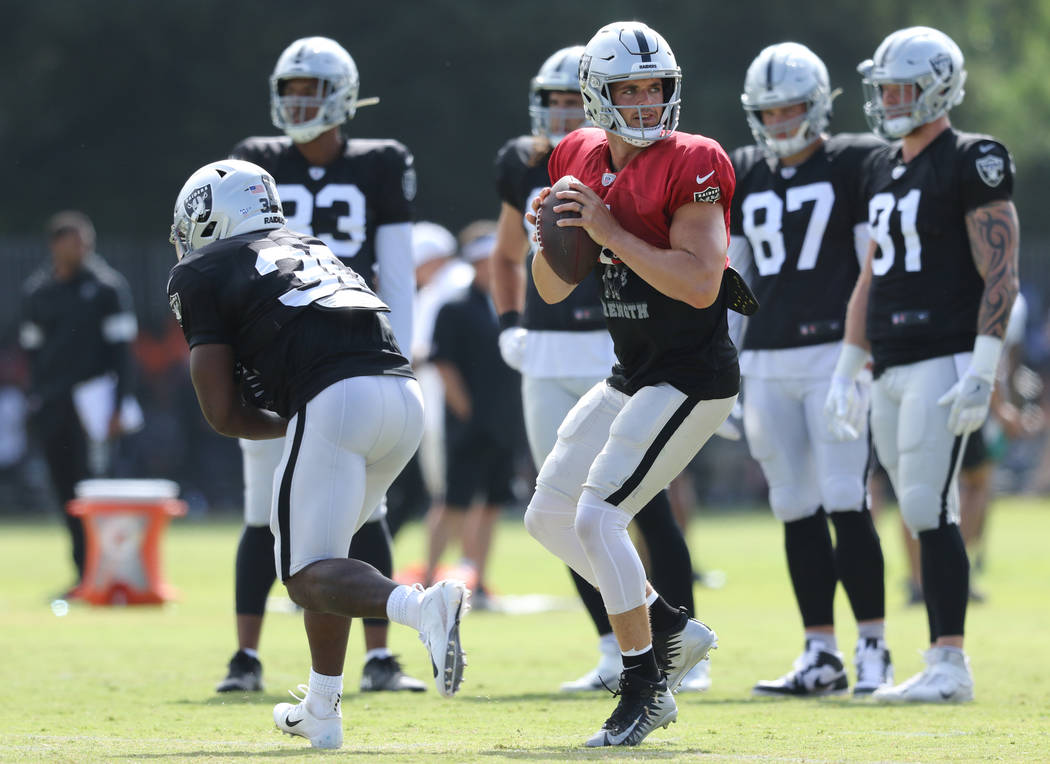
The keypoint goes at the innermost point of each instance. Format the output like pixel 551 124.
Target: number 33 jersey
pixel 372 184
pixel 800 222
pixel 298 320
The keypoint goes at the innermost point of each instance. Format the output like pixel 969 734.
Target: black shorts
pixel 478 467
pixel 976 452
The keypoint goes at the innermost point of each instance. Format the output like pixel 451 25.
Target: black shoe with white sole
pixel 643 706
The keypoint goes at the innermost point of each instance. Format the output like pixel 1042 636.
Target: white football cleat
pixel 946 679
pixel 296 719
pixel 442 606
pixel 818 671
pixel 874 667
pixel 697 679
pixel 683 646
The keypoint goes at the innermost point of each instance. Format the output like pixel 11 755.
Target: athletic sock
pixel 323 694
pixel 642 662
pixel 662 616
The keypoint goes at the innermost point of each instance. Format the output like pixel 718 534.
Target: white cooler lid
pixel 126 489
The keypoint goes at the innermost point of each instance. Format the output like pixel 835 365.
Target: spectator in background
pixel 483 428
pixel 77 324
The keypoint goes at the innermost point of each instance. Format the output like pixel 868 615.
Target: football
pixel 570 251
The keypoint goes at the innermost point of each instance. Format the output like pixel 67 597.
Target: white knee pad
pixel 921 508
pixel 841 492
pixel 602 531
pixel 551 519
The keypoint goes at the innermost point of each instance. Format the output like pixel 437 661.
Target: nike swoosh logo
pixel 700 180
pixel 986 148
pixel 618 739
pixel 288 722
pixel 947 695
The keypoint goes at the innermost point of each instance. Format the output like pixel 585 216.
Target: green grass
pixel 132 684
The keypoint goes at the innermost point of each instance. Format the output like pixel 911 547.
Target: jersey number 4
pixel 349 233
pixel 880 209
pixel 766 235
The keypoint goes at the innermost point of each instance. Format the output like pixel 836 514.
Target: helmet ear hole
pixel 208 230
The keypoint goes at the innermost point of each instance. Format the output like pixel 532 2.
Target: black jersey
pixel 520 175
pixel 799 222
pixel 658 339
pixel 297 318
pixel 77 329
pixel 926 291
pixel 372 184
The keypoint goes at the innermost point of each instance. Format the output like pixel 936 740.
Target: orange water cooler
pixel 124 522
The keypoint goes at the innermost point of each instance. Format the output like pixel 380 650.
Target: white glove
pixel 730 428
pixel 847 402
pixel 972 394
pixel 512 346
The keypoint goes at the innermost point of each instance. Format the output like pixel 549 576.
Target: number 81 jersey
pixel 801 224
pixel 373 183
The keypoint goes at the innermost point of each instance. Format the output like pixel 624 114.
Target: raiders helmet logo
pixel 942 66
pixel 198 204
pixel 991 169
pixel 176 307
pixel 711 194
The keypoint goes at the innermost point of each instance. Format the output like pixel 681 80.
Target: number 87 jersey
pixel 807 229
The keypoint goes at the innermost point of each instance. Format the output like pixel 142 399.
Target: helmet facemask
pixel 783 75
pixel 626 51
pixel 928 67
pixel 303 116
pixel 558 74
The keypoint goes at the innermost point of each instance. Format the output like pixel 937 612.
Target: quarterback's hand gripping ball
pixel 570 251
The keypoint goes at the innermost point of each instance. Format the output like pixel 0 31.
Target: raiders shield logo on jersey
pixel 176 307
pixel 711 194
pixel 991 170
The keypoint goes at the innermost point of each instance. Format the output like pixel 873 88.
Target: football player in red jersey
pixel 932 304
pixel 562 350
pixel 658 202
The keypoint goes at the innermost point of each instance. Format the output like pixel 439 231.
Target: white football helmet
pixel 337 84
pixel 782 75
pixel 929 67
pixel 224 199
pixel 629 50
pixel 559 73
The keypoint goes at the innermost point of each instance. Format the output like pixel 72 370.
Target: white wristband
pixel 851 360
pixel 985 360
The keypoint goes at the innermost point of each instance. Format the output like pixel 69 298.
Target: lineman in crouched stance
pixel 275 323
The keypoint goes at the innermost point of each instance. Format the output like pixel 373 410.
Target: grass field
pixel 135 684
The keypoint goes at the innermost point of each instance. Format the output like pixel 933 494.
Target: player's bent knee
pixel 549 515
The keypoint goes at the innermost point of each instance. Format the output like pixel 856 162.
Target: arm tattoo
pixel 993 232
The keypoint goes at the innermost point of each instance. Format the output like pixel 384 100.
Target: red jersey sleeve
pixel 703 174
